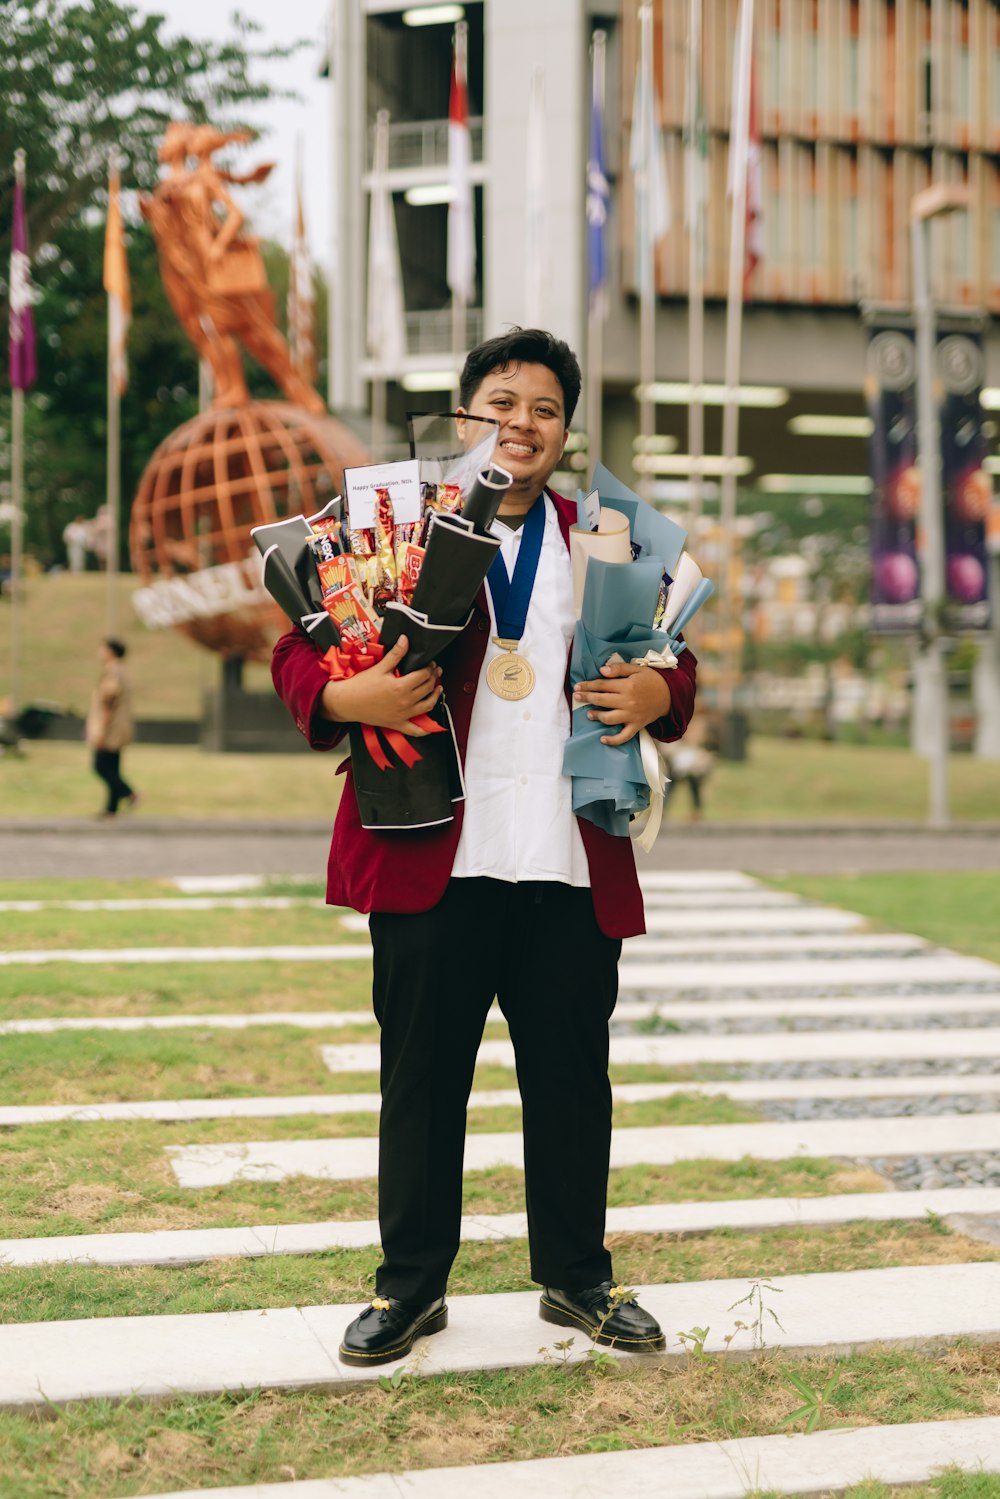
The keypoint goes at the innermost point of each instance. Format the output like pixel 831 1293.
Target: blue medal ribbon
pixel 512 595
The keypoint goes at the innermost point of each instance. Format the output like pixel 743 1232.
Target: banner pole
pixel 738 139
pixel 696 287
pixel 113 489
pixel 16 544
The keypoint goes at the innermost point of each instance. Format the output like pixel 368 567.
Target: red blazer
pixel 408 871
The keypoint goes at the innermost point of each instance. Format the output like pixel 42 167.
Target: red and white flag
pixel 386 306
pixel 116 284
pixel 461 212
pixel 22 350
pixel 301 305
pixel 754 252
pixel 746 156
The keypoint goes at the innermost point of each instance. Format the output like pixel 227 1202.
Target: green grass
pixel 71 1178
pixel 801 781
pixel 952 1483
pixel 55 779
pixel 64 1292
pixel 781 781
pixel 169 671
pixel 76 1067
pixel 77 989
pixel 954 908
pixel 91 1450
pixel 300 927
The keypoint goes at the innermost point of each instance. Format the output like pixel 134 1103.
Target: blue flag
pixel 598 193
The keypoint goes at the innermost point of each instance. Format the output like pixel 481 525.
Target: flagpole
pixel 459 324
pixel 16 538
pixel 647 285
pixel 17 501
pixel 114 452
pixel 379 398
pixel 598 295
pixel 738 146
pixel 535 265
pixel 696 284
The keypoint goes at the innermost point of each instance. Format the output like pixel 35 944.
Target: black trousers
pixel 107 764
pixel 538 949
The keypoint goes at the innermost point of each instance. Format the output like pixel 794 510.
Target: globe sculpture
pixel 241 463
pixel 204 488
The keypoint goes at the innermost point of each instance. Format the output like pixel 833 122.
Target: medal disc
pixel 510 676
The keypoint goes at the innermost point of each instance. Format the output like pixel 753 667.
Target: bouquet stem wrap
pixel 347 660
pixel 646 825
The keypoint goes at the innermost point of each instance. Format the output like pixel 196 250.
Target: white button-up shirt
pixel 519 822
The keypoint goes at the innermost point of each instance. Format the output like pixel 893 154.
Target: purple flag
pixel 23 361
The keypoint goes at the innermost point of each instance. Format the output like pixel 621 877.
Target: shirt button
pixel 468 688
pixel 483 626
pixel 524 780
pixel 526 715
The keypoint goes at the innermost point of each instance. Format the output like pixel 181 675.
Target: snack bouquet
pixel 404 551
pixel 635 588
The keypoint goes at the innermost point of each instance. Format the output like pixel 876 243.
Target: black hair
pixel 115 647
pixel 523 346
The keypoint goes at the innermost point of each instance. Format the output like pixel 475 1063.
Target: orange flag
pixel 116 284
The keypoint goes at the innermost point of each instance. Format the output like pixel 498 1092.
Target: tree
pixel 77 80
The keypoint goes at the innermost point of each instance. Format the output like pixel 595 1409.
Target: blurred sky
pixel 270 206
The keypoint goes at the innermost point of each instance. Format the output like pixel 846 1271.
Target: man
pixel 515 899
pixel 109 726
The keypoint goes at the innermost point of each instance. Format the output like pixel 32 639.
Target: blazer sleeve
pixel 299 680
pixel 682 682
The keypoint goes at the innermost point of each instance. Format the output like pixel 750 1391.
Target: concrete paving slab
pixel 872 1006
pixel 336 953
pixel 220 884
pixel 797 1046
pixel 807 919
pixel 292 1348
pixel 218 1164
pixel 309 1020
pixel 841 944
pixel 827 1462
pixel 805 973
pixel 712 880
pixel 755 898
pixel 171 1110
pixel 195 1245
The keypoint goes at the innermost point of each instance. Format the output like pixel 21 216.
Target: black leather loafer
pixel 604 1317
pixel 387 1330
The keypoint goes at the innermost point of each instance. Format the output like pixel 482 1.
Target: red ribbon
pixel 347 660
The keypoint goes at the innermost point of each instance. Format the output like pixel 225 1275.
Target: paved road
pixel 144 848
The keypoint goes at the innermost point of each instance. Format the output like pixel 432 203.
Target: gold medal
pixel 510 676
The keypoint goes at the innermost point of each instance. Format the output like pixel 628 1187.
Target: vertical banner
pixel 891 394
pixel 966 489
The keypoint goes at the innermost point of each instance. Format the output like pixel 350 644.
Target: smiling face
pixel 527 400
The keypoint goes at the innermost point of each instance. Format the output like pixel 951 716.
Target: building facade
pixel 861 104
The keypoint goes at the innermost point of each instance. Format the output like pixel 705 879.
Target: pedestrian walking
pixel 514 898
pixel 110 727
pixel 690 763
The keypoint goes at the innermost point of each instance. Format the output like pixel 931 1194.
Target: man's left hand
pixel 625 695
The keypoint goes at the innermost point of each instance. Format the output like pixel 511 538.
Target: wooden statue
pixel 214 274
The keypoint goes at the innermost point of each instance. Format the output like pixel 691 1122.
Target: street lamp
pixel 932 202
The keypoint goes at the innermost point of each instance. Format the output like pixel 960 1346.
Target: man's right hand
pixel 377 696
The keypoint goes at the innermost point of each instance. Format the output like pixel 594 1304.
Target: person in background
pixel 109 725
pixel 690 761
pixel 76 538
